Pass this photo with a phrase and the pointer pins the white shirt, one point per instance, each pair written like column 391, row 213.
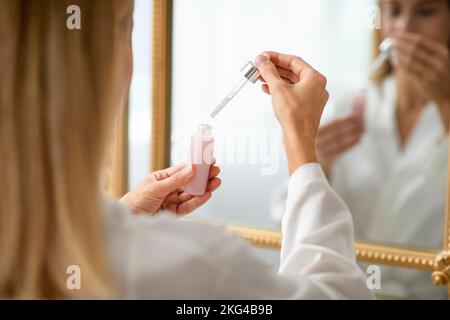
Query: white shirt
column 163, row 257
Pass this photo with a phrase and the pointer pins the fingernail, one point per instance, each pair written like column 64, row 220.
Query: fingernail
column 188, row 169
column 261, row 59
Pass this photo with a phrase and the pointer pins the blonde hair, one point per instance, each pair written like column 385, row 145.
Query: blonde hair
column 56, row 110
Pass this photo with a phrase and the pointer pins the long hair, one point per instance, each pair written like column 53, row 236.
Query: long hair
column 56, row 112
column 386, row 69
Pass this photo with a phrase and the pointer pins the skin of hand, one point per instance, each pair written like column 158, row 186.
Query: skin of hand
column 163, row 190
column 427, row 64
column 299, row 96
column 340, row 135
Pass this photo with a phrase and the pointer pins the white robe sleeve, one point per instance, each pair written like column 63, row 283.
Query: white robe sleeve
column 163, row 257
column 318, row 238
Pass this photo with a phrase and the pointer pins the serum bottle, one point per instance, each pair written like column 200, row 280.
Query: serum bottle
column 201, row 157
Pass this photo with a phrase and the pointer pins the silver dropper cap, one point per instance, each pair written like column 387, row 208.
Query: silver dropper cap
column 250, row 71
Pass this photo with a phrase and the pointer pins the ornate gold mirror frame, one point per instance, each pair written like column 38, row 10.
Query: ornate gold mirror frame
column 436, row 262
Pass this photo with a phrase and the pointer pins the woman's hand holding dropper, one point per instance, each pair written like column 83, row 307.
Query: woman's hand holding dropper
column 299, row 96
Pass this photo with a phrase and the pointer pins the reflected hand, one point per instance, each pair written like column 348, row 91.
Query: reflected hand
column 163, row 190
column 428, row 64
column 338, row 136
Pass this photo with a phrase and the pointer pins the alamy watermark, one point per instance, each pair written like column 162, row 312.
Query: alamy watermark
column 373, row 281
column 73, row 21
column 371, row 16
column 73, row 281
column 253, row 147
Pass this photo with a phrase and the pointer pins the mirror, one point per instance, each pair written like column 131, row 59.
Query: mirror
column 248, row 137
column 393, row 175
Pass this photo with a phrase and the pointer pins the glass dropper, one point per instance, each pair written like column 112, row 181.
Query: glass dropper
column 250, row 73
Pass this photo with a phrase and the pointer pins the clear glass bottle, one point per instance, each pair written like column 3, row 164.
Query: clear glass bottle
column 201, row 157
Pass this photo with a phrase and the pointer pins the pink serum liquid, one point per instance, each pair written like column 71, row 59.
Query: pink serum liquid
column 201, row 157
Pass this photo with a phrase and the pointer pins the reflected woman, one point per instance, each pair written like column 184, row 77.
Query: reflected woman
column 392, row 156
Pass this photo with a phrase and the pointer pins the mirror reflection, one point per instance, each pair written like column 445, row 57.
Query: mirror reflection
column 383, row 141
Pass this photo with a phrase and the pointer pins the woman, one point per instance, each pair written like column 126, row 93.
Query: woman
column 59, row 92
column 385, row 153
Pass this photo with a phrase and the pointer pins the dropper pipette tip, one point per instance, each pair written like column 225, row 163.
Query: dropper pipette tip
column 219, row 107
column 250, row 73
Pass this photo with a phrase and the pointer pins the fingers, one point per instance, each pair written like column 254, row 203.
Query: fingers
column 287, row 75
column 288, row 62
column 213, row 184
column 416, row 68
column 432, row 82
column 165, row 173
column 426, row 43
column 341, row 145
column 340, row 125
column 193, row 204
column 213, row 172
column 265, row 88
column 339, row 136
column 426, row 61
column 358, row 106
column 182, row 203
column 268, row 70
column 330, row 142
column 412, row 55
column 177, row 199
column 175, row 181
column 289, row 68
